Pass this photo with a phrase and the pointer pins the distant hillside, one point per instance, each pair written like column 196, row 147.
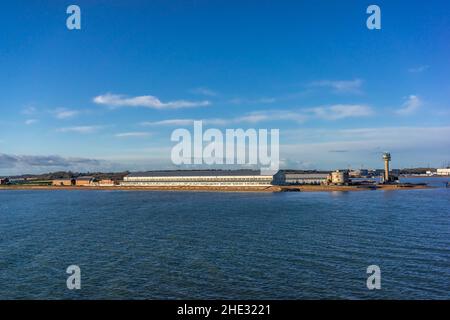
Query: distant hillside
column 69, row 174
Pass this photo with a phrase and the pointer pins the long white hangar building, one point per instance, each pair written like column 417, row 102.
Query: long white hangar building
column 197, row 178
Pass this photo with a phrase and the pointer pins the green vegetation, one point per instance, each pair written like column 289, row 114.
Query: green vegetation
column 31, row 182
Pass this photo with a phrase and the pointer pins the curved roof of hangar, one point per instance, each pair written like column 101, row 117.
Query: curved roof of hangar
column 196, row 173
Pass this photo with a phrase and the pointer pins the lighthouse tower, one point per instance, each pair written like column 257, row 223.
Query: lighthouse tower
column 387, row 159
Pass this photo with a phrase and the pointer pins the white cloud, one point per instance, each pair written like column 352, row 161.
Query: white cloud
column 418, row 69
column 204, row 91
column 341, row 111
column 117, row 100
column 340, row 86
column 31, row 121
column 272, row 115
column 80, row 129
column 65, row 113
column 132, row 134
column 335, row 112
column 411, row 105
column 263, row 100
column 254, row 117
column 187, row 122
column 29, row 111
column 170, row 122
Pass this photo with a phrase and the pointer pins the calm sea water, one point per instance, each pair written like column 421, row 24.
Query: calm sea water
column 170, row 245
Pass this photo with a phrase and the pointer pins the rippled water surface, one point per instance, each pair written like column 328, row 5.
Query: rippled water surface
column 161, row 245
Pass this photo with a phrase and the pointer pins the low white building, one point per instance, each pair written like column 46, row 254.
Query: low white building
column 197, row 178
column 443, row 172
column 296, row 177
column 339, row 177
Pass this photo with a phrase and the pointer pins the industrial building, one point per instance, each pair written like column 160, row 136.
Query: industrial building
column 84, row 181
column 232, row 178
column 198, row 178
column 105, row 183
column 293, row 177
column 359, row 173
column 80, row 181
column 443, row 172
column 63, row 182
column 297, row 177
column 339, row 177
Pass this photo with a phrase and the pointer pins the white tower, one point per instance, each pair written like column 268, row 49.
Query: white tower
column 387, row 159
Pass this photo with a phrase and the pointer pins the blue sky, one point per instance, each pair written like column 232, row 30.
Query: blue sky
column 108, row 96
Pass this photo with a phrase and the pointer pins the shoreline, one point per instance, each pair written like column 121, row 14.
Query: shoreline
column 302, row 188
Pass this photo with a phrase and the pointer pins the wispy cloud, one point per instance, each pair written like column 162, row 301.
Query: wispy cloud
column 118, row 100
column 63, row 113
column 410, row 106
column 262, row 100
column 204, row 91
column 340, row 86
column 338, row 151
column 418, row 69
column 80, row 129
column 30, row 121
column 169, row 122
column 29, row 111
column 334, row 112
column 271, row 115
column 132, row 134
column 253, row 118
column 342, row 111
column 188, row 122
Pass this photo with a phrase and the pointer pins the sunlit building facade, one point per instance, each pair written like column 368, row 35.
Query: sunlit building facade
column 197, row 178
